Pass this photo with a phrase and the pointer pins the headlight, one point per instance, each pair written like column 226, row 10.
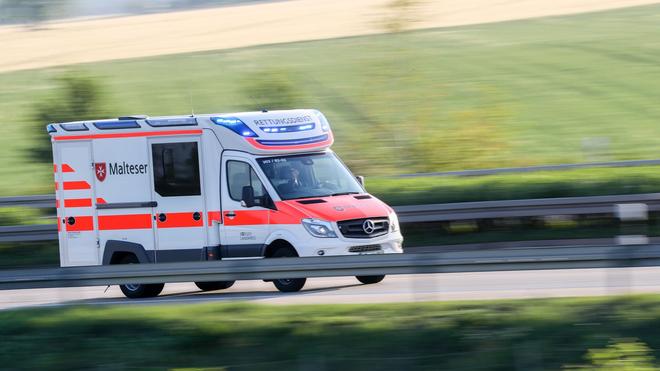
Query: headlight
column 319, row 228
column 394, row 222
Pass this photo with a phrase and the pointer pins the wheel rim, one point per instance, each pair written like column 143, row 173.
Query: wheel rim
column 132, row 286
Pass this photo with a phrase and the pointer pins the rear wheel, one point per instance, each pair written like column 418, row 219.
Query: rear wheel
column 368, row 280
column 139, row 290
column 288, row 284
column 212, row 286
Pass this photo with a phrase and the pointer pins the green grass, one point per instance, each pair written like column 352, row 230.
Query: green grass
column 551, row 90
column 480, row 335
column 15, row 255
column 543, row 184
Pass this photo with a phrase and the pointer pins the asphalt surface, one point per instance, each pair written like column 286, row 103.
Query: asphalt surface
column 402, row 288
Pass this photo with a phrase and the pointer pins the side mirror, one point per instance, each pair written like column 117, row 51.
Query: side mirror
column 247, row 199
column 360, row 180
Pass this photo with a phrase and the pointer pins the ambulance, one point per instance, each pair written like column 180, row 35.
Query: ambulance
column 141, row 190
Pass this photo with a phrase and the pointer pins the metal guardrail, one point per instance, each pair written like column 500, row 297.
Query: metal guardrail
column 426, row 213
column 23, row 233
column 39, row 201
column 332, row 266
column 530, row 169
column 523, row 208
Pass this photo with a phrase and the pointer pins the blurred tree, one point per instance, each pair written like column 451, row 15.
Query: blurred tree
column 77, row 97
column 628, row 355
column 32, row 11
column 271, row 90
column 400, row 15
column 469, row 139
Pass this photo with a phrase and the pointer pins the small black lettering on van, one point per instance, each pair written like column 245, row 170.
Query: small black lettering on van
column 124, row 168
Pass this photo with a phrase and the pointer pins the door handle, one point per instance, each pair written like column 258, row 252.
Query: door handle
column 230, row 214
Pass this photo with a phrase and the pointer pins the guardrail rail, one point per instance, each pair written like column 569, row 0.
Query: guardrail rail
column 589, row 205
column 331, row 266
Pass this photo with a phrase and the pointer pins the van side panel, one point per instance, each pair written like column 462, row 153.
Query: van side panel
column 122, row 182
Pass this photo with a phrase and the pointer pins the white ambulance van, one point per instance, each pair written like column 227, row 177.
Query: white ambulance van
column 138, row 190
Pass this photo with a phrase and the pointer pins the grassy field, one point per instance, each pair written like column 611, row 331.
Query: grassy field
column 497, row 335
column 543, row 184
column 550, row 90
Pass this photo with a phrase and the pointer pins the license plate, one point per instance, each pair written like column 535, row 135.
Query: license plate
column 371, row 252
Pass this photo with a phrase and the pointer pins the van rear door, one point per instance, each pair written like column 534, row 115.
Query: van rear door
column 77, row 216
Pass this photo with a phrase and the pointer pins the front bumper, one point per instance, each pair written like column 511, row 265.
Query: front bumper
column 391, row 243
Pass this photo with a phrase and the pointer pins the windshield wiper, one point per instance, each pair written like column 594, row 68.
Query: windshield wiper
column 344, row 193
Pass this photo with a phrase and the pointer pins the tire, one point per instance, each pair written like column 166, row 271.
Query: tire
column 288, row 284
column 139, row 290
column 212, row 286
column 368, row 280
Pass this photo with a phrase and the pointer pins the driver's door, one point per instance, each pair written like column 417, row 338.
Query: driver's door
column 245, row 228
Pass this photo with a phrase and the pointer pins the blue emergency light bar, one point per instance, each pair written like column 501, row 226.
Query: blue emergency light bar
column 288, row 129
column 234, row 124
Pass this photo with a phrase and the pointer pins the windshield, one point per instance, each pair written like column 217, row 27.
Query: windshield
column 305, row 176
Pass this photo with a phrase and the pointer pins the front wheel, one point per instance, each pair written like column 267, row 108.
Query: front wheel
column 139, row 290
column 368, row 280
column 288, row 284
column 212, row 286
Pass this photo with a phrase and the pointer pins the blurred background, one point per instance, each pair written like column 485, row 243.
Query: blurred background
column 418, row 92
column 411, row 87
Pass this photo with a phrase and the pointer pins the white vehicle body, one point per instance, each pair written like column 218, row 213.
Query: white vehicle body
column 169, row 189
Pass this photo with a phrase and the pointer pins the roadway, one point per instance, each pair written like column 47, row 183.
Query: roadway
column 401, row 288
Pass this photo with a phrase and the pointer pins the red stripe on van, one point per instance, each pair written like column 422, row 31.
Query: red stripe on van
column 286, row 214
column 70, row 186
column 131, row 221
column 324, row 143
column 67, row 169
column 54, row 168
column 214, row 216
column 179, row 220
column 129, row 135
column 247, row 217
column 82, row 224
column 100, row 200
column 78, row 202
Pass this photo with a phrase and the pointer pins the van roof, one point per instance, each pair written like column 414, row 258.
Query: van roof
column 260, row 132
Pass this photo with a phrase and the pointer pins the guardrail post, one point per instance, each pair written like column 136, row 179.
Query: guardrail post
column 633, row 220
column 633, row 231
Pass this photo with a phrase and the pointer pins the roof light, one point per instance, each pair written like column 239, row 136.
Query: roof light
column 288, row 128
column 234, row 124
column 293, row 142
column 325, row 125
column 51, row 128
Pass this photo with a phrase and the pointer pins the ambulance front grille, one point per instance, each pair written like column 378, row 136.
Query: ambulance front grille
column 354, row 228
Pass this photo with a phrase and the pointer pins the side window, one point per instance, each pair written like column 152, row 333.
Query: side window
column 240, row 174
column 176, row 169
